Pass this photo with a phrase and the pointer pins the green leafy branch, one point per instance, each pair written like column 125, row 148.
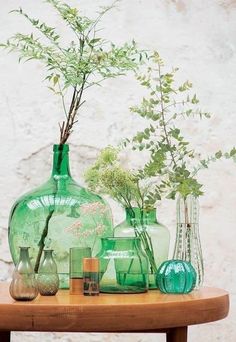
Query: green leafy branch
column 86, row 61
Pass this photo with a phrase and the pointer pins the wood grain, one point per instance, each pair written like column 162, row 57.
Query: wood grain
column 112, row 313
column 177, row 335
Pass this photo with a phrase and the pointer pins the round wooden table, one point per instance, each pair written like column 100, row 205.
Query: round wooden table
column 147, row 312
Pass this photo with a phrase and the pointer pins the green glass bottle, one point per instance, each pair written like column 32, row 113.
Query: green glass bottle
column 58, row 215
column 123, row 266
column 155, row 237
column 48, row 280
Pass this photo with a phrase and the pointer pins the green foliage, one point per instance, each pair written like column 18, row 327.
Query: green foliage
column 86, row 61
column 172, row 159
column 171, row 167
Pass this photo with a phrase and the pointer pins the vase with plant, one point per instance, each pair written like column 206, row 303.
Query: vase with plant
column 171, row 164
column 108, row 176
column 57, row 215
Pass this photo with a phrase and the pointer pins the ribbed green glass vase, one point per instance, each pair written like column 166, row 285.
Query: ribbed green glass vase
column 123, row 266
column 58, row 215
column 154, row 237
column 176, row 276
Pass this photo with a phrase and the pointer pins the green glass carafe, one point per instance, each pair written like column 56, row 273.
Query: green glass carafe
column 123, row 266
column 58, row 215
column 154, row 237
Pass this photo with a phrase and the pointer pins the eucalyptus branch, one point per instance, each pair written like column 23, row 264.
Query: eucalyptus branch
column 163, row 117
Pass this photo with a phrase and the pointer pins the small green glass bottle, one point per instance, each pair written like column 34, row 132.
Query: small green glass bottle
column 48, row 280
column 58, row 215
column 23, row 285
column 123, row 266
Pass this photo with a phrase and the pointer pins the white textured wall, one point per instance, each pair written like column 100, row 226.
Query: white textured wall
column 199, row 36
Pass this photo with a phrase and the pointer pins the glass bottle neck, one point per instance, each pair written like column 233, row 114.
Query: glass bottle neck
column 48, row 253
column 140, row 216
column 24, row 253
column 61, row 161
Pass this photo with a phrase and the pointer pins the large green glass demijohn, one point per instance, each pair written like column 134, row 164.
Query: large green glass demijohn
column 58, row 215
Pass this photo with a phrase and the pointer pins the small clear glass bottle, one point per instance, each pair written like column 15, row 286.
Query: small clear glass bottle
column 23, row 285
column 187, row 243
column 48, row 280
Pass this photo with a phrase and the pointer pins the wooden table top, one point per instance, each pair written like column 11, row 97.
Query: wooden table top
column 112, row 313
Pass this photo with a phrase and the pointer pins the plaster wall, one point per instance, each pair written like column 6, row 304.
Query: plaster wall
column 197, row 36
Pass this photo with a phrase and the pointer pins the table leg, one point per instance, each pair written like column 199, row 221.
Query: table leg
column 179, row 334
column 5, row 336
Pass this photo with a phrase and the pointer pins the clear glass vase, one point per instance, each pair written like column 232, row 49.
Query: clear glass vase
column 123, row 266
column 187, row 243
column 23, row 285
column 48, row 280
column 58, row 215
column 77, row 255
column 154, row 237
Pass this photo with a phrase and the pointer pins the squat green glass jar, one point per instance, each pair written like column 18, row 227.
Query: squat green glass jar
column 123, row 266
column 58, row 215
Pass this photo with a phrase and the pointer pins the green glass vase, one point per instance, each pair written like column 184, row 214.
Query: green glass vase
column 23, row 286
column 58, row 215
column 48, row 280
column 154, row 237
column 123, row 266
column 176, row 276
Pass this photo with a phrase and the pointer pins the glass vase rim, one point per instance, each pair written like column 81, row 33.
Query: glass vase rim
column 121, row 238
column 79, row 248
column 141, row 209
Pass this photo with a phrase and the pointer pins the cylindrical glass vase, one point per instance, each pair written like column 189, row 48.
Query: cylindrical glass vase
column 187, row 243
column 154, row 237
column 58, row 215
column 77, row 254
column 123, row 266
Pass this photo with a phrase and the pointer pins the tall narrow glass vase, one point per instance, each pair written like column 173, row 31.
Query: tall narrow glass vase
column 188, row 244
column 58, row 215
